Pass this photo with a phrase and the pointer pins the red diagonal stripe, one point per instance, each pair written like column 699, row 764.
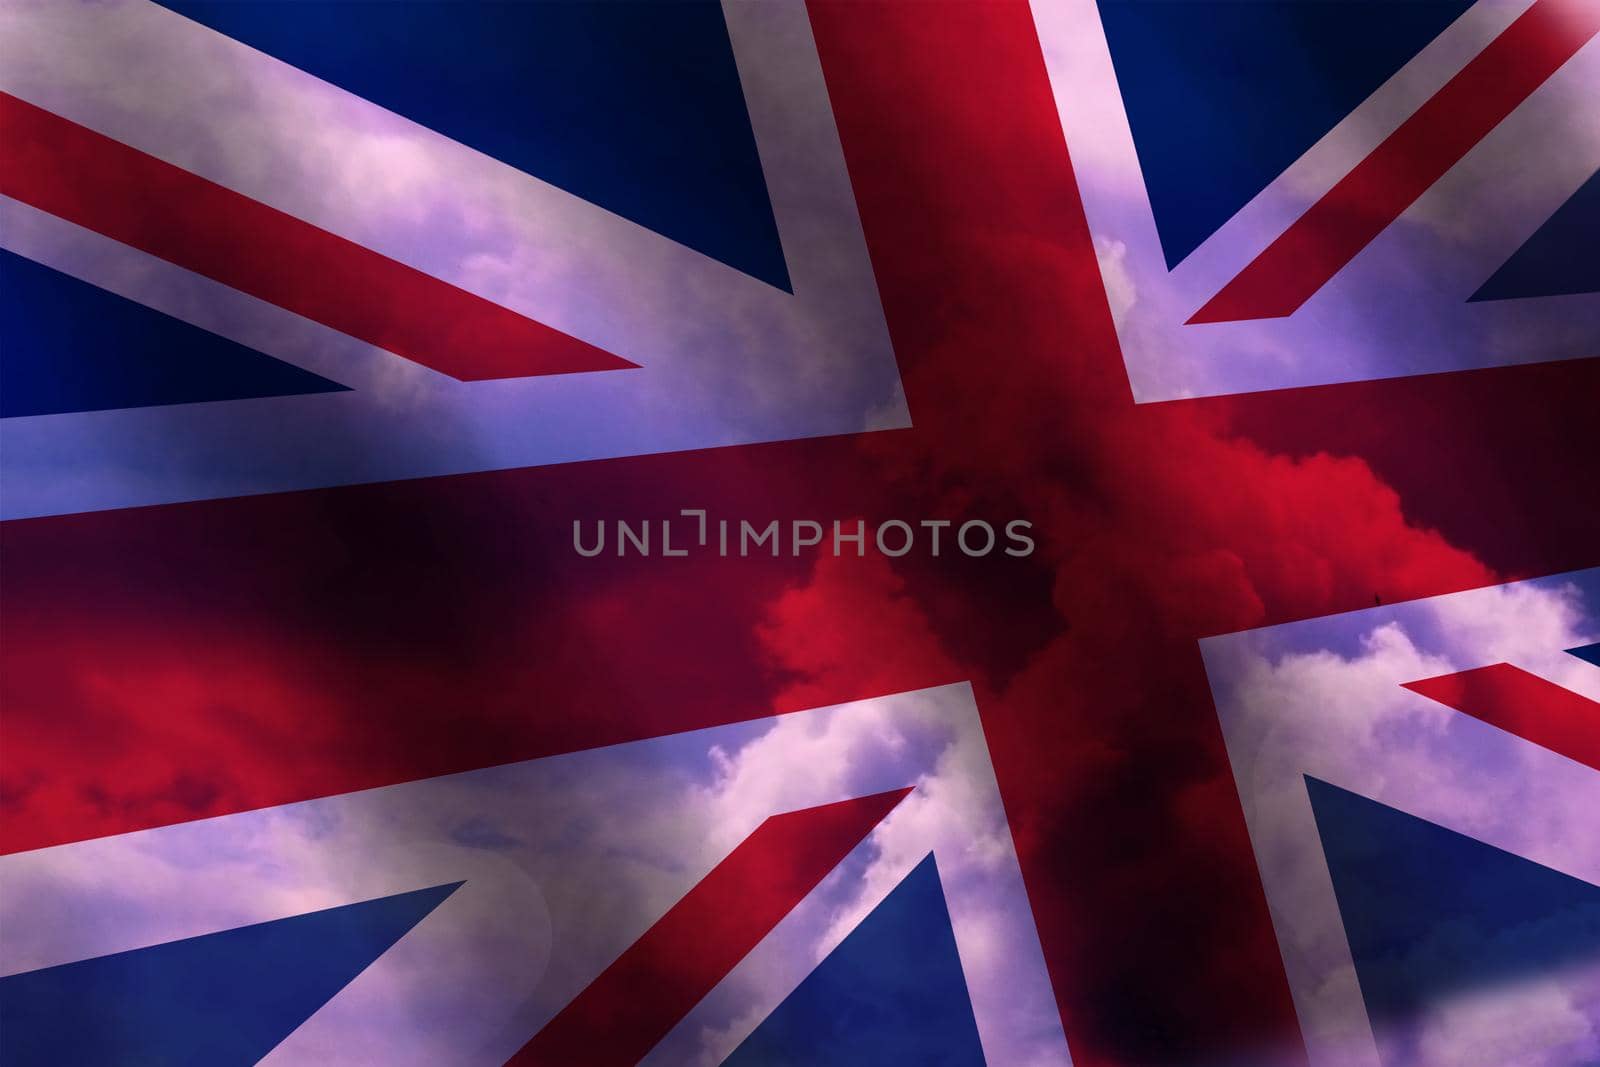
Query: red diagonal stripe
column 1363, row 204
column 639, row 998
column 1523, row 704
column 101, row 184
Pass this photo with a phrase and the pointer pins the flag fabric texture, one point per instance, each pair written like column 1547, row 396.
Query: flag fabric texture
column 325, row 325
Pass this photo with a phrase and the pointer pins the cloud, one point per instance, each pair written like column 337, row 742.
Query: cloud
column 312, row 642
column 1539, row 1023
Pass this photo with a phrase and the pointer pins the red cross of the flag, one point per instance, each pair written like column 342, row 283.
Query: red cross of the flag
column 171, row 663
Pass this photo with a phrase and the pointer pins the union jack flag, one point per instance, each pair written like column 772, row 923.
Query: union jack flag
column 324, row 322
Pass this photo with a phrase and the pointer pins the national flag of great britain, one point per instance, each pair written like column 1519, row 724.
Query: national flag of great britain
column 325, row 323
